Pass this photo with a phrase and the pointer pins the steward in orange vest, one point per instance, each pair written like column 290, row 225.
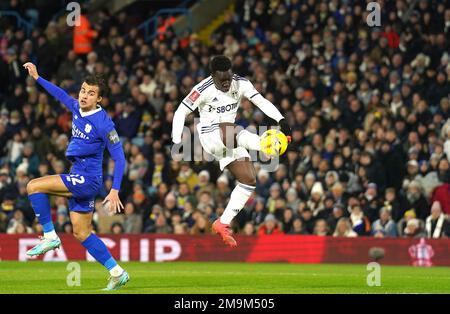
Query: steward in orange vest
column 82, row 36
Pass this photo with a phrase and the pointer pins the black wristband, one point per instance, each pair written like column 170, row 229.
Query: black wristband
column 284, row 127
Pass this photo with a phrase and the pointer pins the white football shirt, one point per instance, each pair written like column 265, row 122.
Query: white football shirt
column 216, row 106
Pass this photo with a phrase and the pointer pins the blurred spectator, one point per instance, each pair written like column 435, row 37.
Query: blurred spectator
column 263, row 184
column 270, row 226
column 3, row 222
column 359, row 222
column 23, row 203
column 321, row 228
column 28, row 159
column 335, row 216
column 402, row 223
column 202, row 225
column 344, row 229
column 259, row 212
column 203, row 183
column 83, row 35
column 184, row 195
column 416, row 201
column 297, row 227
column 308, row 220
column 19, row 228
column 384, row 226
column 315, row 203
column 442, row 192
column 17, row 223
column 170, row 204
column 158, row 171
column 371, row 202
column 274, row 196
column 61, row 220
column 133, row 221
column 222, row 191
column 7, row 206
column 205, row 199
column 160, row 225
column 68, row 228
column 413, row 229
column 292, row 198
column 437, row 224
column 138, row 168
column 249, row 229
column 395, row 205
column 180, row 229
column 288, row 219
column 187, row 175
column 117, row 228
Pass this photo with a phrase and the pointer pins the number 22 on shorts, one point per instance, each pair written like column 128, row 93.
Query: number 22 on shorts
column 75, row 179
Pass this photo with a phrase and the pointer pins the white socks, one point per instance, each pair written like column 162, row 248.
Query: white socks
column 51, row 235
column 248, row 140
column 240, row 195
column 116, row 271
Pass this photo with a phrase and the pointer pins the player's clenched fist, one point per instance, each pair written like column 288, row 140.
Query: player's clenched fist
column 32, row 71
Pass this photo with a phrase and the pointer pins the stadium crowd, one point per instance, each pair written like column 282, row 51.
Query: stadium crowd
column 369, row 108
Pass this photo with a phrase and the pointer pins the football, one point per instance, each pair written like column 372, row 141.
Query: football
column 273, row 142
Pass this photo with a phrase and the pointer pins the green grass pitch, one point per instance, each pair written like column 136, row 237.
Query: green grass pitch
column 223, row 278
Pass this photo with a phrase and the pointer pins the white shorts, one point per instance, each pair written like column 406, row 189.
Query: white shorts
column 212, row 143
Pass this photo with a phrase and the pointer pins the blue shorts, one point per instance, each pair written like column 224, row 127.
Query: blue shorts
column 84, row 189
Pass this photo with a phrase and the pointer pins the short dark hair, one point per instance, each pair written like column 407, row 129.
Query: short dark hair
column 220, row 63
column 97, row 80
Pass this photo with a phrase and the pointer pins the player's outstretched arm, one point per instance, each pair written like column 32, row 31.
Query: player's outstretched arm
column 268, row 108
column 53, row 90
column 116, row 151
column 271, row 111
column 187, row 105
column 178, row 122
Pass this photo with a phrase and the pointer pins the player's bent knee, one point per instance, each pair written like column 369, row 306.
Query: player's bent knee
column 33, row 187
column 81, row 235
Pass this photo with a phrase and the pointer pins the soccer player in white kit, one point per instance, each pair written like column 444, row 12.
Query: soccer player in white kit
column 218, row 98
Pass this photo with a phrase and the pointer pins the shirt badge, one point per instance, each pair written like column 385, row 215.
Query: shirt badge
column 193, row 96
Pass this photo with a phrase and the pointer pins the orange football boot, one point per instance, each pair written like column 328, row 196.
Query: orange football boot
column 225, row 233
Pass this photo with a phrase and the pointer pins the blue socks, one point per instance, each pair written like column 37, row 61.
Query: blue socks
column 99, row 251
column 41, row 207
column 95, row 246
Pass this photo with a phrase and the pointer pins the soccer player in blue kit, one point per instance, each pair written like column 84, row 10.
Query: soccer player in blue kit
column 92, row 131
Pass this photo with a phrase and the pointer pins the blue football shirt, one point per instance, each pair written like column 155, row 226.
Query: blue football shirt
column 92, row 132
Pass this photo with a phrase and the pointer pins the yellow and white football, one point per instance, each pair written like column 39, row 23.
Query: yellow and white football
column 273, row 143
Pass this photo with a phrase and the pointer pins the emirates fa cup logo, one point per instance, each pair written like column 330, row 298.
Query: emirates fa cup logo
column 421, row 254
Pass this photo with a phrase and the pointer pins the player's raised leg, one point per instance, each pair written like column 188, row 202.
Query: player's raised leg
column 245, row 174
column 248, row 140
column 234, row 135
column 38, row 190
column 82, row 230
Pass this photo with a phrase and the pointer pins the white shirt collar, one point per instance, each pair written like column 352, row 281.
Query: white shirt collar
column 89, row 113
